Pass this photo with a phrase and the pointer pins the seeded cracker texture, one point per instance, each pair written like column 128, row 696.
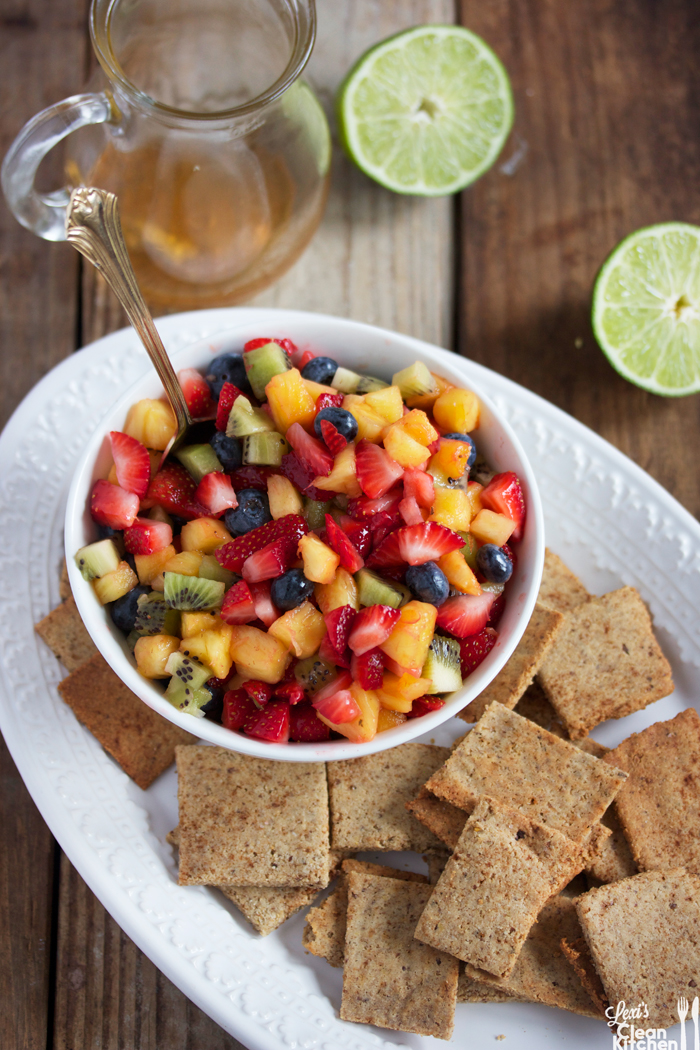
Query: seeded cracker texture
column 560, row 589
column 511, row 682
column 644, row 936
column 605, row 663
column 368, row 799
column 508, row 757
column 390, row 979
column 65, row 634
column 251, row 822
column 503, row 870
column 659, row 805
column 141, row 741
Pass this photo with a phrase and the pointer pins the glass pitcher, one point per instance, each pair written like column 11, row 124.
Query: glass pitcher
column 218, row 153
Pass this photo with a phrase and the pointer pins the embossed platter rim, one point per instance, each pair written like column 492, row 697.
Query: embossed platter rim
column 607, row 518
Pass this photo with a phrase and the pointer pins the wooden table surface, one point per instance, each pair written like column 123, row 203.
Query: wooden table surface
column 606, row 139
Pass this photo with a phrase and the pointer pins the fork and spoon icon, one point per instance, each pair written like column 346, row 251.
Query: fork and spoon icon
column 683, row 1013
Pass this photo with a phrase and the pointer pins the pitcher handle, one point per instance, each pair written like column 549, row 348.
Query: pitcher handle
column 45, row 213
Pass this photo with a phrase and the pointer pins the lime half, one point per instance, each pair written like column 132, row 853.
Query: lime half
column 426, row 111
column 646, row 308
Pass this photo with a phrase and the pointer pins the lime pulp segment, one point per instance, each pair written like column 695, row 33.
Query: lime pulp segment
column 646, row 308
column 426, row 111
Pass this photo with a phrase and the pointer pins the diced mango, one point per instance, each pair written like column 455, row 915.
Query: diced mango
column 301, row 630
column 451, row 458
column 316, row 389
column 389, row 719
column 407, row 687
column 149, row 565
column 451, row 508
column 418, row 426
column 458, row 573
column 152, row 653
column 457, row 410
column 342, row 590
column 343, row 477
column 408, row 643
column 320, row 562
column 404, row 449
column 283, row 496
column 152, row 423
column 258, row 654
column 289, row 400
column 474, row 490
column 204, row 535
column 370, row 423
column 364, row 727
column 489, row 527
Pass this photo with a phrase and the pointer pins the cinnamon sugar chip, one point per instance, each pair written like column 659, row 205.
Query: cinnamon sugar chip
column 66, row 636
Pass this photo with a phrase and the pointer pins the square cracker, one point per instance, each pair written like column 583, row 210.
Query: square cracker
column 64, row 588
column 141, row 741
column 580, row 958
column 503, row 870
column 442, row 818
column 644, row 936
column 543, row 973
column 605, row 663
column 66, row 636
column 368, row 799
column 511, row 682
column 659, row 804
column 560, row 589
column 390, row 979
column 250, row 821
column 508, row 757
column 533, row 704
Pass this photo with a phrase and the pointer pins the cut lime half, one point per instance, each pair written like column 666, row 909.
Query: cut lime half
column 646, row 308
column 426, row 111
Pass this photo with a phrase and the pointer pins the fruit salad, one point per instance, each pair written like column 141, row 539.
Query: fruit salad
column 327, row 556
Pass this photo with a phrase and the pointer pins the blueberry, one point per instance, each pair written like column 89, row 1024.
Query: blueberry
column 228, row 451
column 178, row 523
column 123, row 611
column 291, row 590
column 320, row 369
column 343, row 421
column 428, row 583
column 253, row 510
column 227, row 368
column 214, row 708
column 493, row 563
column 469, row 441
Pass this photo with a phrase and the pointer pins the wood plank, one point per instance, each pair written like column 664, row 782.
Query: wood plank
column 606, row 131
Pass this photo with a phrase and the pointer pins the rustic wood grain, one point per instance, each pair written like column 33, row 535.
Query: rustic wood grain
column 605, row 140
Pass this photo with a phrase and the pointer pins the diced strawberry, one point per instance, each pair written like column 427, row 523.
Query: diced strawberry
column 333, row 656
column 132, row 463
column 227, row 397
column 338, row 624
column 173, row 489
column 388, row 504
column 265, row 610
column 368, row 669
column 387, row 554
column 266, row 564
column 237, row 707
column 196, row 391
column 329, row 401
column 359, row 533
column 271, row 724
column 410, row 511
column 334, row 440
column 215, row 493
column 250, row 477
column 341, row 681
column 421, row 486
column 308, row 355
column 497, row 609
column 302, row 477
column 344, row 547
column 238, row 605
column 305, row 726
column 259, row 692
column 288, row 345
column 475, row 649
column 310, row 451
column 372, row 626
column 292, row 692
column 465, row 615
column 427, row 542
column 339, row 708
column 377, row 472
column 433, row 446
column 112, row 505
column 504, row 495
column 424, row 705
column 382, row 525
column 147, row 537
column 290, row 528
column 255, row 344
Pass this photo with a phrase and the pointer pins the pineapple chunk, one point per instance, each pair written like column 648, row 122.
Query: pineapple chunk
column 187, row 563
column 204, row 535
column 320, row 562
column 393, row 703
column 301, row 630
column 474, row 490
column 457, row 410
column 112, row 476
column 282, row 495
column 405, row 449
column 418, row 426
column 192, row 623
column 407, row 687
column 149, row 565
column 290, row 401
column 342, row 590
column 452, row 508
column 152, row 654
column 389, row 719
column 257, row 654
column 370, row 423
column 152, row 423
column 212, row 648
column 316, row 389
column 458, row 573
column 387, row 402
column 343, row 477
column 426, row 401
column 115, row 584
column 489, row 527
column 451, row 458
column 364, row 727
column 408, row 643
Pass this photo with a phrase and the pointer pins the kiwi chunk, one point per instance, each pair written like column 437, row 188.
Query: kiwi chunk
column 264, row 363
column 443, row 665
column 373, row 590
column 209, row 569
column 493, row 588
column 185, row 690
column 97, row 559
column 264, row 449
column 199, row 460
column 369, row 383
column 154, row 616
column 313, row 673
column 469, row 550
column 191, row 593
column 416, row 379
column 315, row 512
column 243, row 419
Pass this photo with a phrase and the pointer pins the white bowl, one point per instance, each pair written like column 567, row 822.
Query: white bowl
column 364, row 349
